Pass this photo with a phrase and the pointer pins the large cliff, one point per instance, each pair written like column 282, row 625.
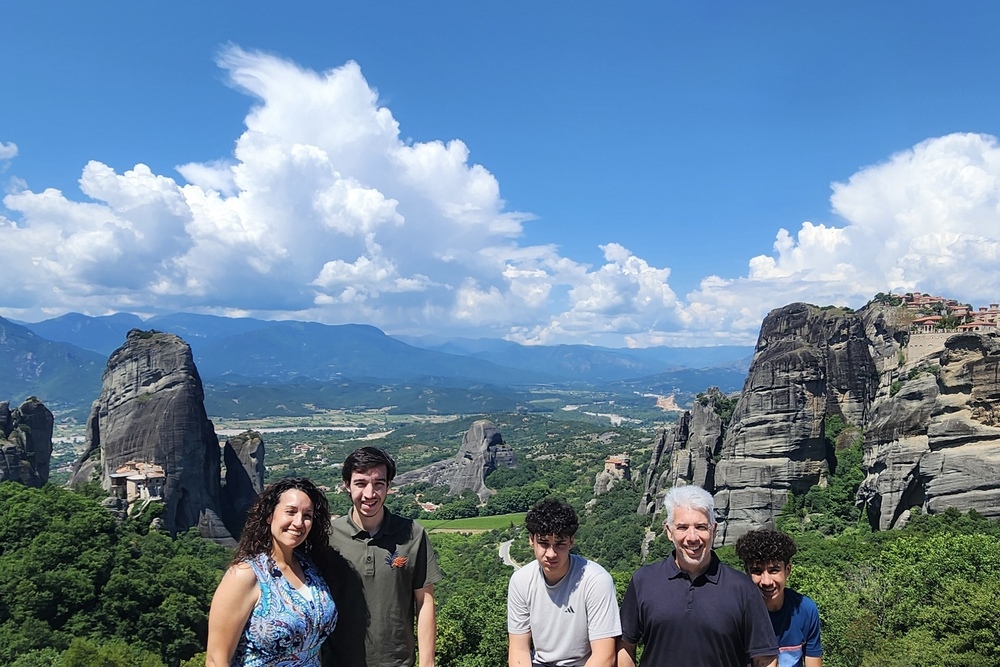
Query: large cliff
column 935, row 443
column 151, row 412
column 929, row 414
column 809, row 364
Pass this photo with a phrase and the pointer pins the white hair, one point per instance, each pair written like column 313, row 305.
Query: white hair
column 692, row 497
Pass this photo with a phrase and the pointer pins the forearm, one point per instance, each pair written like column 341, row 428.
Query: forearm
column 426, row 631
column 626, row 654
column 765, row 661
column 518, row 657
column 814, row 662
column 602, row 652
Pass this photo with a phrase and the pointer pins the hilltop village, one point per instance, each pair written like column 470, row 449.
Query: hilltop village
column 937, row 314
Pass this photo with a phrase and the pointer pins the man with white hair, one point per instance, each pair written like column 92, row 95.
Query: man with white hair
column 690, row 608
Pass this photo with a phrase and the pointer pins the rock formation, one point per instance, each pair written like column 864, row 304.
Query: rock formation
column 935, row 443
column 243, row 455
column 483, row 451
column 25, row 442
column 688, row 454
column 658, row 469
column 616, row 469
column 151, row 411
column 809, row 364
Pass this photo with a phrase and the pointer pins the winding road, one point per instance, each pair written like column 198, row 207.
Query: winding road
column 505, row 554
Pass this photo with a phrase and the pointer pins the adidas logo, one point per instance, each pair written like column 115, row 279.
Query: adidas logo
column 569, row 610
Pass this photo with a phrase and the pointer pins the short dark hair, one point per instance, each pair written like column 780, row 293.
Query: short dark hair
column 366, row 458
column 256, row 536
column 762, row 546
column 552, row 517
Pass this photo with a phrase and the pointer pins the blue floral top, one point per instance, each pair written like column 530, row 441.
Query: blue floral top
column 286, row 628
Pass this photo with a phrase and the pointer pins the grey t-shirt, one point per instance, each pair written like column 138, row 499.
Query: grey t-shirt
column 563, row 619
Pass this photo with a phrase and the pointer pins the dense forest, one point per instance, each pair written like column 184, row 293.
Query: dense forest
column 80, row 589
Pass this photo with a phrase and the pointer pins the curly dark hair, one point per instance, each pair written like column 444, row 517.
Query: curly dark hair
column 762, row 546
column 552, row 517
column 256, row 537
column 366, row 458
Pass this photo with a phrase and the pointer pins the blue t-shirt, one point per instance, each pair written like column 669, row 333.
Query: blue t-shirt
column 796, row 625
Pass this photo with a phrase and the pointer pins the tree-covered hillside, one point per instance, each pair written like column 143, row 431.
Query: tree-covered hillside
column 77, row 588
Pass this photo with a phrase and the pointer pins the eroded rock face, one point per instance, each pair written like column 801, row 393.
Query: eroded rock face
column 687, row 455
column 243, row 455
column 151, row 410
column 658, row 469
column 810, row 364
column 25, row 442
column 483, row 451
column 935, row 444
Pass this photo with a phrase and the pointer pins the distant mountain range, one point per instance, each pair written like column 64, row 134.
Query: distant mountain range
column 248, row 357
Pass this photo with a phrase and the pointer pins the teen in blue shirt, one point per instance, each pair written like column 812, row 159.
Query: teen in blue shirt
column 767, row 558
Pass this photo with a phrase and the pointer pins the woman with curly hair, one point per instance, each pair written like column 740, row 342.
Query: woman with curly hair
column 273, row 607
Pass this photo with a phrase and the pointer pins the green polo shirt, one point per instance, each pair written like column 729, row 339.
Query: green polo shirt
column 385, row 569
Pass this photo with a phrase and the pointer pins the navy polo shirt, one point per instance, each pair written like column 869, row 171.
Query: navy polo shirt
column 717, row 620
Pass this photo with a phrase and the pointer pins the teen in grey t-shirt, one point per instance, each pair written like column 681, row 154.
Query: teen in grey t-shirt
column 563, row 604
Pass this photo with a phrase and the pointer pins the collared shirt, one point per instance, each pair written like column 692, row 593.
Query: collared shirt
column 717, row 620
column 389, row 566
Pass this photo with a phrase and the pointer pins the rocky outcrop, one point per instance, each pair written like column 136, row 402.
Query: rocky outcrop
column 617, row 468
column 935, row 443
column 809, row 365
column 243, row 455
column 693, row 460
column 151, row 411
column 657, row 469
column 483, row 451
column 25, row 442
column 688, row 454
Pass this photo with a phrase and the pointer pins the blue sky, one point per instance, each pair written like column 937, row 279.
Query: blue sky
column 656, row 173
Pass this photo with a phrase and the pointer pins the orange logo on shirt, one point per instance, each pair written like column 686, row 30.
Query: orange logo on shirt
column 392, row 560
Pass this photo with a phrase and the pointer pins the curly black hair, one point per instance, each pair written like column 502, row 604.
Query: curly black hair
column 256, row 536
column 763, row 546
column 552, row 517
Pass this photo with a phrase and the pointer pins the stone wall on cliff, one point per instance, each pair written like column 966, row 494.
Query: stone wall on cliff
column 935, row 442
column 810, row 364
column 25, row 442
column 151, row 410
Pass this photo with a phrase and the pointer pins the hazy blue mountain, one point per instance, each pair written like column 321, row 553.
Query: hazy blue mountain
column 193, row 328
column 286, row 350
column 61, row 375
column 278, row 362
column 587, row 362
column 103, row 334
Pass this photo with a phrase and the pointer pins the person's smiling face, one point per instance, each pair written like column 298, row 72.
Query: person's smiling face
column 692, row 533
column 292, row 518
column 771, row 579
column 368, row 489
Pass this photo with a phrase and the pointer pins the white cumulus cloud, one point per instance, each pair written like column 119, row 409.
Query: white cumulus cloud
column 324, row 212
column 926, row 219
